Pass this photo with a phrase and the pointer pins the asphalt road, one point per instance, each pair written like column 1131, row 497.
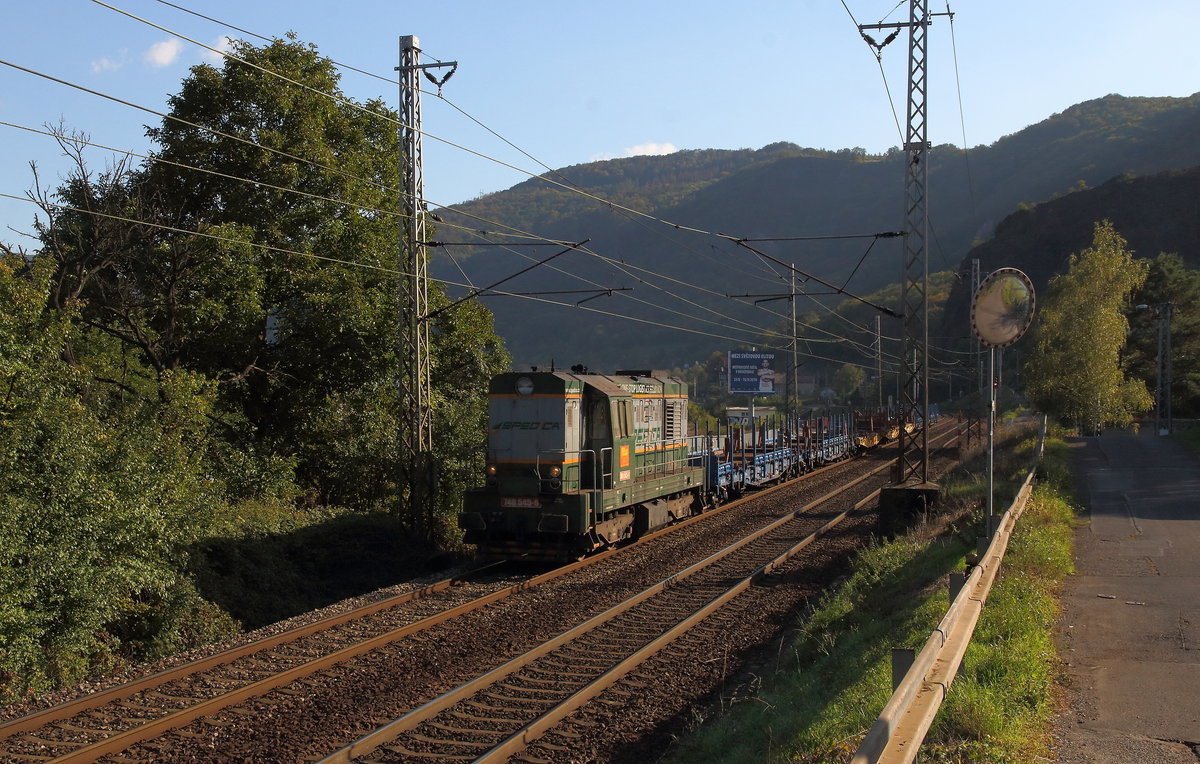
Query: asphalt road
column 1130, row 628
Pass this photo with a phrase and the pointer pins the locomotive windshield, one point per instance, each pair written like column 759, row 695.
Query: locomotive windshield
column 526, row 427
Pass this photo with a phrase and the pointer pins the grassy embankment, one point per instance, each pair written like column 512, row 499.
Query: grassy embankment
column 1190, row 438
column 829, row 686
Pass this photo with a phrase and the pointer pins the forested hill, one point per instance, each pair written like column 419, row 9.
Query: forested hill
column 779, row 191
column 1154, row 214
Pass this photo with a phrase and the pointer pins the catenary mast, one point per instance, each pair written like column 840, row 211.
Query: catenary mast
column 415, row 376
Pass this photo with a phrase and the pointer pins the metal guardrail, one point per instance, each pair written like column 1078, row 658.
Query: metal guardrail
column 896, row 735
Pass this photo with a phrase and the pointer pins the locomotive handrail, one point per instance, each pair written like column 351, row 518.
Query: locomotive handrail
column 600, row 480
column 670, row 446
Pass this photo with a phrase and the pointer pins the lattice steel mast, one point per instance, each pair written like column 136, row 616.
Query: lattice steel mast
column 415, row 377
column 914, row 280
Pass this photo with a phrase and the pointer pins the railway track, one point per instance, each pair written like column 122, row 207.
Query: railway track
column 110, row 722
column 497, row 715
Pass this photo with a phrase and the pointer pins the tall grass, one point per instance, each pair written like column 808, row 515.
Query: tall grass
column 835, row 676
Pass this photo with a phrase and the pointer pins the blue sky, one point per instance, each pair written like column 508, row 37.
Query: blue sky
column 572, row 82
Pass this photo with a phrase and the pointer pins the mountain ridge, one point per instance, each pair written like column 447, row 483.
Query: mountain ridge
column 678, row 277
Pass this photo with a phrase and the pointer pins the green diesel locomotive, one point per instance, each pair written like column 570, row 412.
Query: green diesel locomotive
column 580, row 461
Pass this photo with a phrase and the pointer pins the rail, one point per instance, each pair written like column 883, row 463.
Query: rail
column 492, row 734
column 897, row 734
column 524, row 734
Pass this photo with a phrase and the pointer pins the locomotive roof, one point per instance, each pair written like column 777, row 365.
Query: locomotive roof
column 567, row 381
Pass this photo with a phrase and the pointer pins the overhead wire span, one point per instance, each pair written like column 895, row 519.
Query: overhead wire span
column 755, row 330
column 538, row 240
column 400, row 123
column 187, row 123
column 572, row 186
column 883, row 235
column 345, row 101
column 393, row 271
column 565, row 184
column 837, row 338
column 342, row 65
column 962, row 119
column 478, row 291
column 201, row 234
column 352, row 104
column 351, row 263
column 808, row 276
column 265, row 148
column 236, row 138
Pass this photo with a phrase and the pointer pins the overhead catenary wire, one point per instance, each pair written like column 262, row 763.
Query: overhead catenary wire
column 565, row 180
column 880, row 308
column 290, row 156
column 391, row 271
column 540, row 241
column 398, row 122
column 252, row 143
column 755, row 330
column 374, row 113
column 962, row 119
column 565, row 185
column 396, row 272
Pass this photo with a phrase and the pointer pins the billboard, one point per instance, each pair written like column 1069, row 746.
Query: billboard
column 751, row 372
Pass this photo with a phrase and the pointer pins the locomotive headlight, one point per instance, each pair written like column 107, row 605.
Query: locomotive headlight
column 524, row 386
column 555, row 471
column 491, row 473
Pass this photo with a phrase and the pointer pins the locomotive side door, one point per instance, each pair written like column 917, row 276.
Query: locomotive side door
column 596, row 459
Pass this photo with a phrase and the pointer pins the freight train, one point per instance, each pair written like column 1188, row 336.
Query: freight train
column 577, row 462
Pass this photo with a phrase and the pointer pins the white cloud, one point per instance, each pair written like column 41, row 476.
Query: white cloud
column 105, row 64
column 651, row 149
column 222, row 44
column 163, row 53
column 109, row 64
column 642, row 149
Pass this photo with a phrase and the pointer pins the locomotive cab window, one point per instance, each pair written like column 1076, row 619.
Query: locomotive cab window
column 598, row 420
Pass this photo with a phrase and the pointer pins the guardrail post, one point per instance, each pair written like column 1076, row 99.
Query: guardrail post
column 902, row 661
column 957, row 581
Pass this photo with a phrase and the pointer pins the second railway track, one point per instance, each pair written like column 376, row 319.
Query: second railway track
column 296, row 702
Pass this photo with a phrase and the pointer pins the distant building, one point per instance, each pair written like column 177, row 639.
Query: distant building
column 741, row 414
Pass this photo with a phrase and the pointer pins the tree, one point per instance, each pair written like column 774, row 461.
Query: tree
column 289, row 302
column 1169, row 280
column 97, row 498
column 847, row 379
column 1074, row 371
column 226, row 361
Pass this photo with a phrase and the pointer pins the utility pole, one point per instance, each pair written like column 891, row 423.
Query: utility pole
column 416, row 482
column 1162, row 387
column 975, row 278
column 794, row 374
column 879, row 360
column 1164, row 364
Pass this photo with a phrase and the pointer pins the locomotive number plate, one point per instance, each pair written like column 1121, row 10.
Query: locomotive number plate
column 528, row 502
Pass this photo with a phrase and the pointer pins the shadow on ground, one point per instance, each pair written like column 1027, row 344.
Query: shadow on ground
column 266, row 579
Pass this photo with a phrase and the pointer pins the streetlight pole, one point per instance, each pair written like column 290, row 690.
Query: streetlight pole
column 1162, row 386
column 1164, row 363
